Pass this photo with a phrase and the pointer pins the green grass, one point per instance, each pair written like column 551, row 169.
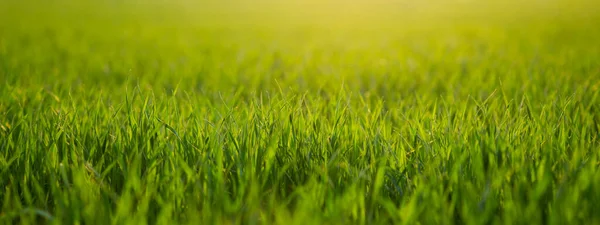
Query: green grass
column 299, row 113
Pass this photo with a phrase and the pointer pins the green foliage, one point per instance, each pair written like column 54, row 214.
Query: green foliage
column 182, row 113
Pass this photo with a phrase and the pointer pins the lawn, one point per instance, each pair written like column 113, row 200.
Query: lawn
column 300, row 112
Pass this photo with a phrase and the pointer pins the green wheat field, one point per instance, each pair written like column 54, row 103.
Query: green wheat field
column 300, row 112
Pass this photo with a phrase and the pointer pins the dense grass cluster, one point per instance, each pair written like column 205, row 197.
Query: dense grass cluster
column 314, row 113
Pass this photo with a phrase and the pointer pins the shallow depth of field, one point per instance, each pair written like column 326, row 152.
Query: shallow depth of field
column 300, row 112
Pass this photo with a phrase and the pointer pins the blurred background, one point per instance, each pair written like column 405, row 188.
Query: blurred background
column 430, row 46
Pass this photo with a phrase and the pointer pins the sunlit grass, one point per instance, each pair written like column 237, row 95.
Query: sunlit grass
column 299, row 112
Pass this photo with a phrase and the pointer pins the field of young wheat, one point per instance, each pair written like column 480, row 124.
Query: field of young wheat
column 299, row 112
